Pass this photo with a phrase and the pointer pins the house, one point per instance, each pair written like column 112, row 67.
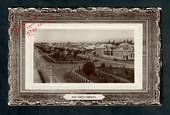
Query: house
column 89, row 49
column 99, row 50
column 123, row 54
column 108, row 49
column 125, row 51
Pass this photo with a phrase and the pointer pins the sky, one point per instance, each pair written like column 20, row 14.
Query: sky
column 71, row 35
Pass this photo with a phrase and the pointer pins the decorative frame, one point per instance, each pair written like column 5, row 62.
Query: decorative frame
column 149, row 17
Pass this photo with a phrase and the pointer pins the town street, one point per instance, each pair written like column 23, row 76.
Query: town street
column 46, row 70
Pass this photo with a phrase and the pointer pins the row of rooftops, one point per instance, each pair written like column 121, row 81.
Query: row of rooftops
column 122, row 46
column 93, row 46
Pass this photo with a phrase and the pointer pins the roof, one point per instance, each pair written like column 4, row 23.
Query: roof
column 90, row 47
column 100, row 46
column 126, row 45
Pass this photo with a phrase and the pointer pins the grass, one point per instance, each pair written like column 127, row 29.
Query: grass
column 127, row 73
column 97, row 77
column 70, row 78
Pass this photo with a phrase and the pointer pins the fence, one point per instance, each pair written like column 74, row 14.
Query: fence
column 81, row 77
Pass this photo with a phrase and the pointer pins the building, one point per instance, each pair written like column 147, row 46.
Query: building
column 124, row 51
column 108, row 49
column 123, row 54
column 99, row 50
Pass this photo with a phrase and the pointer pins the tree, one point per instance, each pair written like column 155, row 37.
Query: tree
column 88, row 68
column 103, row 65
column 109, row 42
column 113, row 42
column 131, row 42
column 110, row 67
column 75, row 54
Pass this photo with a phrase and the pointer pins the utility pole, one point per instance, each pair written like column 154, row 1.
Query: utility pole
column 50, row 73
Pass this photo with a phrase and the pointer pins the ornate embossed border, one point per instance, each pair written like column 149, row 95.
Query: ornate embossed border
column 15, row 68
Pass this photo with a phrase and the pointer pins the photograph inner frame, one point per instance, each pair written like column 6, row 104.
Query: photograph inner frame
column 149, row 18
column 134, row 87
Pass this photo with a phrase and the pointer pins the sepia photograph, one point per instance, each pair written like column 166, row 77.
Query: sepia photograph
column 83, row 56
